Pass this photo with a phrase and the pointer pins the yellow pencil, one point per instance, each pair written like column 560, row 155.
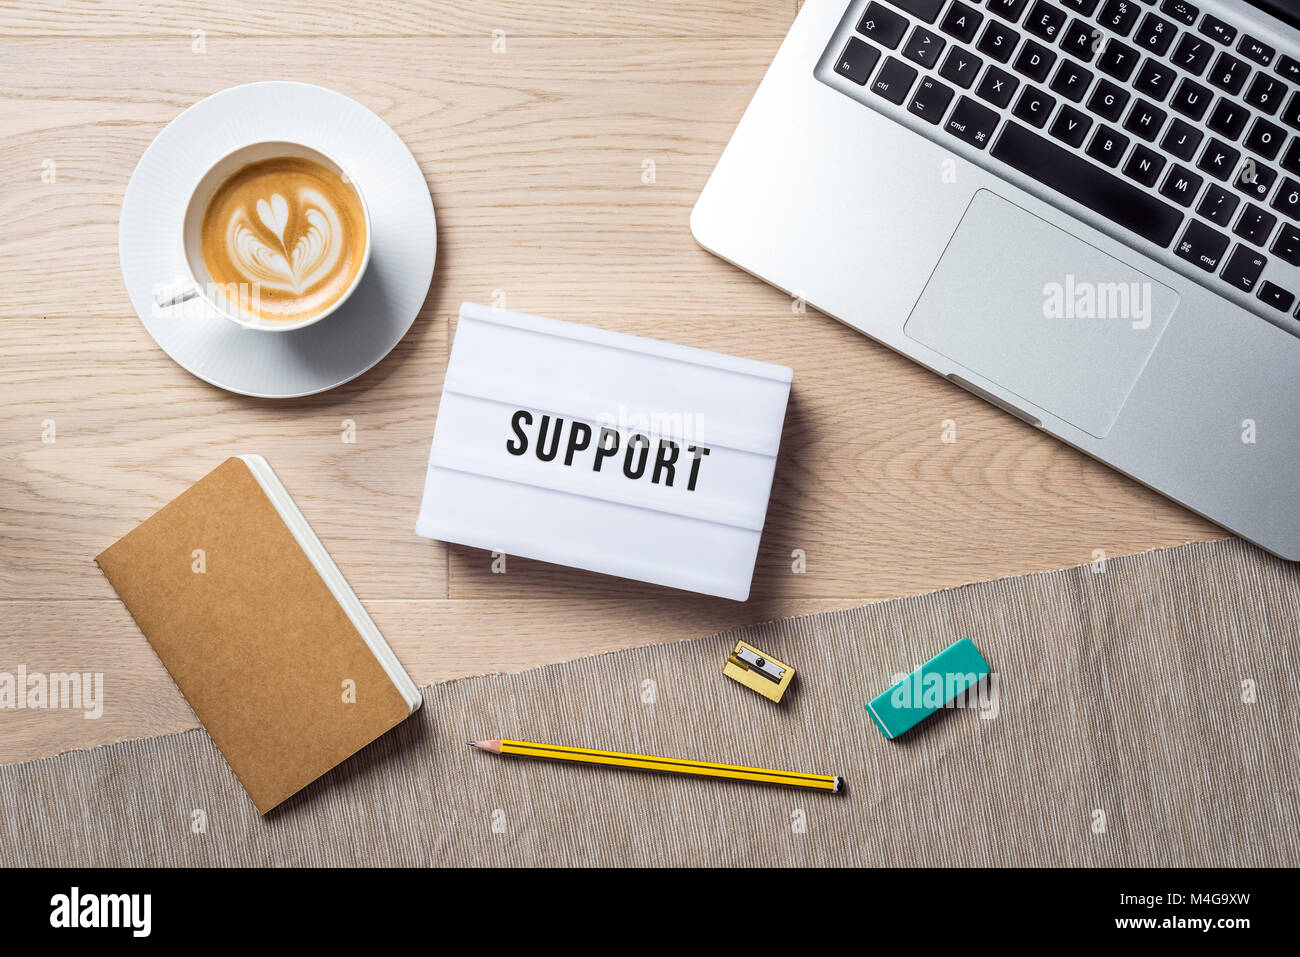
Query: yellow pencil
column 646, row 762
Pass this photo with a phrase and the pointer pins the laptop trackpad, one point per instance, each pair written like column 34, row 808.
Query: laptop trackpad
column 1023, row 304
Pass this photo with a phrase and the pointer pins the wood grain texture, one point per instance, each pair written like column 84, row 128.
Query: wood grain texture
column 534, row 158
column 661, row 19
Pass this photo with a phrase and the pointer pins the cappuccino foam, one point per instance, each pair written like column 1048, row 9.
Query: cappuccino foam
column 291, row 228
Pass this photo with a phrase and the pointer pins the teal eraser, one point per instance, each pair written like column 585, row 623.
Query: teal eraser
column 952, row 671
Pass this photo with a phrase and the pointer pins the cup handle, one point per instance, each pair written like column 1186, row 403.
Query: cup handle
column 168, row 294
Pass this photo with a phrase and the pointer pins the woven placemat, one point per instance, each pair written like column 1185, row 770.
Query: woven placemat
column 1146, row 714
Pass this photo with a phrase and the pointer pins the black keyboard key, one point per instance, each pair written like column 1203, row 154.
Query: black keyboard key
column 1228, row 119
column 1275, row 296
column 961, row 22
column 1144, row 165
column 1081, row 40
column 1077, row 179
column 1265, row 93
column 1084, row 7
column 1108, row 146
column 1181, row 139
column 1219, row 160
column 924, row 47
column 1291, row 112
column 930, row 100
column 1255, row 225
column 857, row 60
column 1108, row 101
column 1287, row 200
column 1256, row 50
column 997, row 41
column 997, row 86
column 1154, row 79
column 893, row 81
column 1192, row 54
column 1191, row 99
column 1291, row 158
column 1229, row 73
column 1216, row 29
column 1255, row 179
column 1181, row 185
column 1155, row 35
column 927, row 10
column 1288, row 68
column 960, row 67
column 1119, row 16
column 1202, row 246
column 1045, row 21
column 1034, row 106
column 1287, row 244
column 1265, row 138
column 1118, row 60
column 1035, row 61
column 1180, row 10
column 1070, row 126
column 1244, row 267
column 1071, row 81
column 882, row 25
column 1145, row 120
column 972, row 122
column 1007, row 9
column 1218, row 205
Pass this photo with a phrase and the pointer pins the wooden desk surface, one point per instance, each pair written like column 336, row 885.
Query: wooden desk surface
column 534, row 157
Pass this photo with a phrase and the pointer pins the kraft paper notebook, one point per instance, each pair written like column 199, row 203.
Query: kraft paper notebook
column 259, row 630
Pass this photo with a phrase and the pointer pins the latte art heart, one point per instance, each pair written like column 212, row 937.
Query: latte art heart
column 292, row 228
column 292, row 265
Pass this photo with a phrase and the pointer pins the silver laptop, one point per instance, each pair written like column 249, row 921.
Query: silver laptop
column 1086, row 212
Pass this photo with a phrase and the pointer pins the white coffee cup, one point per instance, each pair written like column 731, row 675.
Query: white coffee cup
column 197, row 282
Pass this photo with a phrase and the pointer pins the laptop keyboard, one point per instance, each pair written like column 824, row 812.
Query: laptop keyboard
column 1175, row 125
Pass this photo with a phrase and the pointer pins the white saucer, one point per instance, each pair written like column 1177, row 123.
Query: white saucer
column 338, row 348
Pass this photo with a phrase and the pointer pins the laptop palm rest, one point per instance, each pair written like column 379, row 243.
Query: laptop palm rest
column 1063, row 326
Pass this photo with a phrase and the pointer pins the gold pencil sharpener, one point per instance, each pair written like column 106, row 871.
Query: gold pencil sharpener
column 758, row 671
